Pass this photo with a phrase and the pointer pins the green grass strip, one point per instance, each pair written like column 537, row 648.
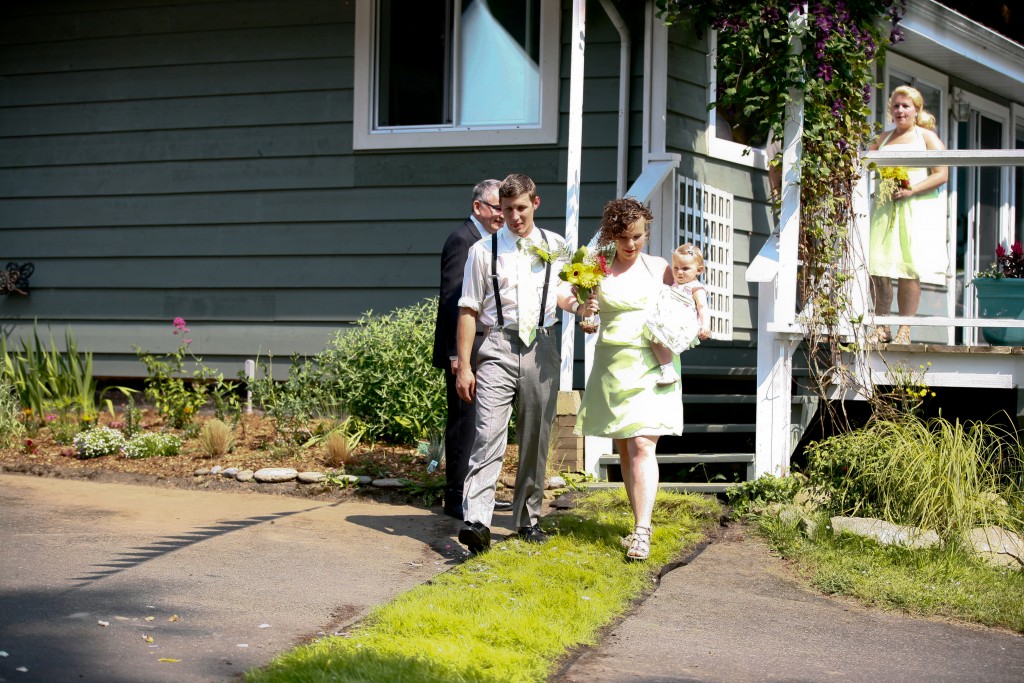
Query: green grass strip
column 511, row 613
column 936, row 581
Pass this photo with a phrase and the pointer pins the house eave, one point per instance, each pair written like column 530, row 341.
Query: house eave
column 963, row 48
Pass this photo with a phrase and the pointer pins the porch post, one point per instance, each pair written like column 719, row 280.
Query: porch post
column 572, row 199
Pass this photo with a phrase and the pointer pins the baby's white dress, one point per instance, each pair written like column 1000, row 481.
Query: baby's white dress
column 673, row 320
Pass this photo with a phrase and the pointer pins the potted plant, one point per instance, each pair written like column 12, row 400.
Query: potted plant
column 1001, row 295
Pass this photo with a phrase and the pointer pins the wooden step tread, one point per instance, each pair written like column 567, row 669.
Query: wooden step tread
column 669, row 458
column 698, row 428
column 685, row 487
column 738, row 398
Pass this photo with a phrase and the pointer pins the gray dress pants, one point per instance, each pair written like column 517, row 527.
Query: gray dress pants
column 507, row 371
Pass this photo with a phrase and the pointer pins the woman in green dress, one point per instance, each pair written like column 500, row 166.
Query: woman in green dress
column 908, row 217
column 623, row 400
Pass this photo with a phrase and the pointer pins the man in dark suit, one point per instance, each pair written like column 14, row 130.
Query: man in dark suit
column 485, row 220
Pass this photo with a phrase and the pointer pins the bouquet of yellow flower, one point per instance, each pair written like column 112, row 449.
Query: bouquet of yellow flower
column 587, row 268
column 892, row 180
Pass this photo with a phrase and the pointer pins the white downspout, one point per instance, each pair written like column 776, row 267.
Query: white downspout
column 625, row 45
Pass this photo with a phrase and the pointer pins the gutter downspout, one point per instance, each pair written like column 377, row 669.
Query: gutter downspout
column 625, row 43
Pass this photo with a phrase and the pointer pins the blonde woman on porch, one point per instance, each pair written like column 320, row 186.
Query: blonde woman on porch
column 908, row 216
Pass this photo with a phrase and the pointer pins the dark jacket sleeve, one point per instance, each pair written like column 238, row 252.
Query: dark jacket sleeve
column 453, row 264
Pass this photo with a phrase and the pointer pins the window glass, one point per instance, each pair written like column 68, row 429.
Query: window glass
column 479, row 68
column 1019, row 186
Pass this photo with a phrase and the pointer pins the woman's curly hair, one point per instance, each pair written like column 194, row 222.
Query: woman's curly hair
column 619, row 214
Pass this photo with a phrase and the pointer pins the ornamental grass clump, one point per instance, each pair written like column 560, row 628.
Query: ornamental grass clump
column 11, row 428
column 932, row 474
column 152, row 444
column 216, row 438
column 98, row 442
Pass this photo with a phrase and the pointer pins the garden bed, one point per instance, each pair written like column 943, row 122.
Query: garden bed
column 258, row 445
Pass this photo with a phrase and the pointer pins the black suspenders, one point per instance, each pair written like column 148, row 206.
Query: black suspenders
column 494, row 280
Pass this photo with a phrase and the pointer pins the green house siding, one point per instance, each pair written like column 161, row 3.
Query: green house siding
column 195, row 159
column 686, row 95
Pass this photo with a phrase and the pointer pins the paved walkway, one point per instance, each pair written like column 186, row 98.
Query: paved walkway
column 735, row 614
column 249, row 575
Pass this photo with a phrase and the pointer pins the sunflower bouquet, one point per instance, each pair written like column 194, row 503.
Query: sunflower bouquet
column 587, row 267
column 892, row 179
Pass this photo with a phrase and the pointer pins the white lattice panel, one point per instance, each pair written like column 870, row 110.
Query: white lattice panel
column 705, row 219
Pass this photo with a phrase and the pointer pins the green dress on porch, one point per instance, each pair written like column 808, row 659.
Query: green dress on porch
column 908, row 236
column 622, row 398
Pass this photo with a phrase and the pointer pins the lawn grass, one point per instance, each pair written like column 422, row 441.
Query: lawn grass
column 933, row 581
column 511, row 613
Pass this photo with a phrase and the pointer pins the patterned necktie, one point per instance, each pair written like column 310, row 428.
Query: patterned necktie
column 526, row 294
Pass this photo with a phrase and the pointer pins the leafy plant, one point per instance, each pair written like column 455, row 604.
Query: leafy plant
column 47, row 380
column 216, row 438
column 179, row 395
column 382, row 367
column 307, row 394
column 99, row 442
column 939, row 475
column 755, row 495
column 151, row 444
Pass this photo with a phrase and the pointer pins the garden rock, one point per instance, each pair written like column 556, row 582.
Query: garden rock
column 555, row 482
column 229, row 472
column 201, row 472
column 389, row 483
column 998, row 546
column 244, row 475
column 884, row 532
column 352, row 479
column 365, row 480
column 216, row 469
column 273, row 475
column 311, row 477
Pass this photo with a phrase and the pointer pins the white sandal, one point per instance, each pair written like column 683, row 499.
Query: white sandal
column 640, row 545
column 627, row 540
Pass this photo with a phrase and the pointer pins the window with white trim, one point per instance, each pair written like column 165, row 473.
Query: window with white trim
column 454, row 73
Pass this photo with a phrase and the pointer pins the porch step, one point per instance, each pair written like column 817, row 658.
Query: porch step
column 683, row 487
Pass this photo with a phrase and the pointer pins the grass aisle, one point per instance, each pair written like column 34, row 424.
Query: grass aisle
column 511, row 613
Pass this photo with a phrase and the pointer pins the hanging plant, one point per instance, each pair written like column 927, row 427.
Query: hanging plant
column 839, row 43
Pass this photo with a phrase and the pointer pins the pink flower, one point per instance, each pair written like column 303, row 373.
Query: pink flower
column 1017, row 248
column 180, row 325
column 187, row 341
column 51, row 417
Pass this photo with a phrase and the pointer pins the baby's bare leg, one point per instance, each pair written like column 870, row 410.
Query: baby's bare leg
column 662, row 353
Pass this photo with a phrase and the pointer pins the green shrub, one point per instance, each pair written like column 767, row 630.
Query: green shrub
column 383, row 367
column 935, row 474
column 99, row 442
column 150, row 444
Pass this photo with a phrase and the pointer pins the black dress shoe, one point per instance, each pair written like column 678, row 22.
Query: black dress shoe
column 502, row 506
column 475, row 536
column 453, row 512
column 531, row 534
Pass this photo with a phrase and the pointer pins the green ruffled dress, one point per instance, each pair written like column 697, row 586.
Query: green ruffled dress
column 622, row 398
column 908, row 236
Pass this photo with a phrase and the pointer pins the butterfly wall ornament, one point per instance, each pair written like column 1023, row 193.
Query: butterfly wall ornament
column 14, row 278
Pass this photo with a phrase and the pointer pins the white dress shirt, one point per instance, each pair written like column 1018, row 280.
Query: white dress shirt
column 477, row 291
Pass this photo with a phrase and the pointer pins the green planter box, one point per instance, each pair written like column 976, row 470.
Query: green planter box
column 1001, row 298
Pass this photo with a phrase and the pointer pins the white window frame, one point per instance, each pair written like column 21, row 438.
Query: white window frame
column 364, row 136
column 720, row 148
